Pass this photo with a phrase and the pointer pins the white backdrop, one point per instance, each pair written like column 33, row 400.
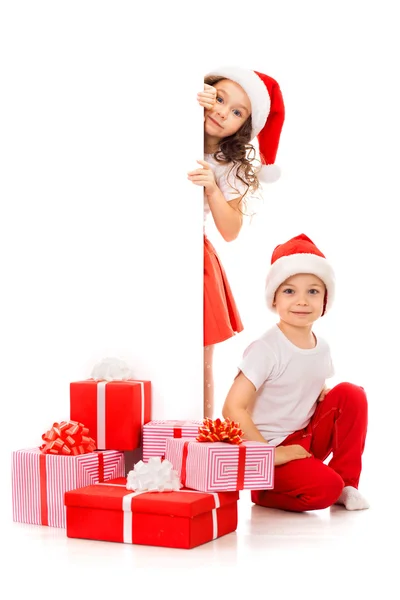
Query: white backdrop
column 101, row 232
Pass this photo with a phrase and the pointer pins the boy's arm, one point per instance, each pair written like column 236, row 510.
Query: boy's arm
column 239, row 397
column 235, row 407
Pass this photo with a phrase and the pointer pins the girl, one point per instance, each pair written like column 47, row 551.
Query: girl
column 238, row 106
column 280, row 396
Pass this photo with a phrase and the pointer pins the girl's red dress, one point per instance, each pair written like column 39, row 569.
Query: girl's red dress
column 221, row 316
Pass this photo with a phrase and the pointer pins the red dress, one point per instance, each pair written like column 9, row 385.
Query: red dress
column 221, row 316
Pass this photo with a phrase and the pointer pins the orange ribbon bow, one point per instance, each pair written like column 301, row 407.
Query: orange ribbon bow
column 69, row 438
column 220, row 431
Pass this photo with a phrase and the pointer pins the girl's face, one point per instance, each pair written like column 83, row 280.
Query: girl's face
column 299, row 301
column 232, row 108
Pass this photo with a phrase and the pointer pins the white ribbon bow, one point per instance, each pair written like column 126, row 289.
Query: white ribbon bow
column 112, row 369
column 154, row 476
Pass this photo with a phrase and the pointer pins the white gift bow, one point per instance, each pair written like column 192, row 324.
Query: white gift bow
column 112, row 369
column 154, row 476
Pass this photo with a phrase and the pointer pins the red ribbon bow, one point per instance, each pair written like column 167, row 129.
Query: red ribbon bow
column 69, row 438
column 220, row 431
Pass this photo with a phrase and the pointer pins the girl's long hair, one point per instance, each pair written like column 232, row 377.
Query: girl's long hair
column 238, row 150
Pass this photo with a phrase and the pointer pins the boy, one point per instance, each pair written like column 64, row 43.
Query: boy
column 280, row 397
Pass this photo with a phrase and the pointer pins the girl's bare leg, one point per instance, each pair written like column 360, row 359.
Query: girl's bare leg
column 208, row 382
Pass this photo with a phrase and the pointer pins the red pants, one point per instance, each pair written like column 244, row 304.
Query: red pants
column 339, row 425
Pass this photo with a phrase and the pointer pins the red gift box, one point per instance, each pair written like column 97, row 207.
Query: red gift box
column 182, row 519
column 113, row 411
column 155, row 434
column 39, row 481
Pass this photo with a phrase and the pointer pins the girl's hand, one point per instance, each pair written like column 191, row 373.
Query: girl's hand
column 323, row 394
column 208, row 97
column 284, row 454
column 204, row 177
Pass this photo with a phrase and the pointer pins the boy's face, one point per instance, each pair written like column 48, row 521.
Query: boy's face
column 299, row 301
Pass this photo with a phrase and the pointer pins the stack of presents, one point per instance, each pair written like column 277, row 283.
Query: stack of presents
column 183, row 493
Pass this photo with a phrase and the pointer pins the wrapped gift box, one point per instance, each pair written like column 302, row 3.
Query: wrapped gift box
column 156, row 432
column 182, row 519
column 114, row 411
column 219, row 466
column 39, row 481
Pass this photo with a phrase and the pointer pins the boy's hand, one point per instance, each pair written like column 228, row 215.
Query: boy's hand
column 323, row 394
column 285, row 454
column 208, row 97
column 204, row 177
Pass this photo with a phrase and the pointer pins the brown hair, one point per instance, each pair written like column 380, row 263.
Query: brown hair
column 238, row 150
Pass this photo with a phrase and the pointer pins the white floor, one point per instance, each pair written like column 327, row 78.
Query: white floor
column 331, row 553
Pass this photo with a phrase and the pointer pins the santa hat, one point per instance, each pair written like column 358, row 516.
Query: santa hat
column 267, row 114
column 299, row 255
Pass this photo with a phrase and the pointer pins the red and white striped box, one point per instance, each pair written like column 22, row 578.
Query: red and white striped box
column 113, row 411
column 156, row 432
column 40, row 480
column 222, row 467
column 181, row 519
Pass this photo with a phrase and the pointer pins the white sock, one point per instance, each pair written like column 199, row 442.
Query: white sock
column 352, row 499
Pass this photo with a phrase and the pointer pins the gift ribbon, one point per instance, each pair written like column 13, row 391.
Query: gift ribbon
column 184, row 459
column 43, row 490
column 101, row 409
column 101, row 414
column 127, row 510
column 214, row 515
column 68, row 438
column 177, row 433
column 220, row 431
column 44, row 513
column 241, row 465
column 101, row 466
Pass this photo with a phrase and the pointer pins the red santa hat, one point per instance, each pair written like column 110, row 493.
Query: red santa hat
column 299, row 255
column 267, row 114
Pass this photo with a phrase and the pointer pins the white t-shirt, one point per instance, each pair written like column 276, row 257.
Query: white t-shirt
column 288, row 381
column 230, row 186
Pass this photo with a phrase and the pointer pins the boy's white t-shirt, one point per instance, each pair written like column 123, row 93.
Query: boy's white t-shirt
column 288, row 381
column 230, row 186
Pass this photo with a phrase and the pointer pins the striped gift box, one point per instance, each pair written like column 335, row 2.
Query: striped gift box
column 222, row 467
column 39, row 481
column 155, row 434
